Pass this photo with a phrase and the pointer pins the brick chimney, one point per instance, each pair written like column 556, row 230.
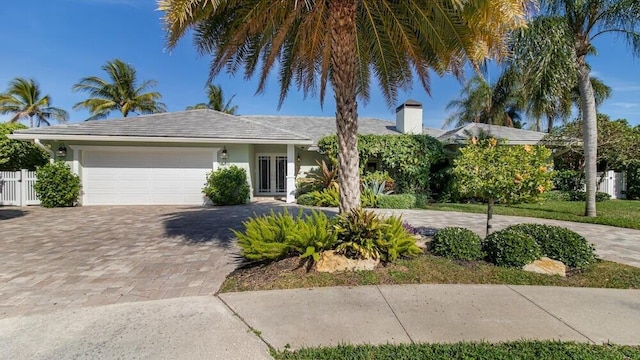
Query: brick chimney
column 409, row 117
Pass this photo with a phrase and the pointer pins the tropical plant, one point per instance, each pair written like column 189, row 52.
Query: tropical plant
column 216, row 101
column 120, row 92
column 586, row 21
column 24, row 100
column 481, row 102
column 344, row 42
column 56, row 185
column 318, row 178
column 495, row 172
column 543, row 66
column 16, row 154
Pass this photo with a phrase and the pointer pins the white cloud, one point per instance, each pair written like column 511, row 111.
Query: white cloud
column 626, row 105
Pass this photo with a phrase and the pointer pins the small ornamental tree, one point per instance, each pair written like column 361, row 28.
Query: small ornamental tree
column 496, row 172
column 16, row 154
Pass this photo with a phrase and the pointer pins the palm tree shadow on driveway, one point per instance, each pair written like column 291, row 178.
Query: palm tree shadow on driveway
column 214, row 224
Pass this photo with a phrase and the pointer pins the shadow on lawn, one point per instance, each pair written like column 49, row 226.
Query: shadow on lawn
column 214, row 224
column 10, row 213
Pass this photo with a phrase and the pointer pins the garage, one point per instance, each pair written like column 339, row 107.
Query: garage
column 145, row 175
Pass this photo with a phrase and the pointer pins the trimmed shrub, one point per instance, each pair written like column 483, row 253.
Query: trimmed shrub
column 633, row 181
column 57, row 185
column 227, row 186
column 397, row 201
column 559, row 243
column 307, row 199
column 457, row 243
column 511, row 248
column 556, row 195
column 582, row 196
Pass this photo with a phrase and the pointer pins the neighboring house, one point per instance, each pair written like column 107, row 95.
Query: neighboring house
column 163, row 159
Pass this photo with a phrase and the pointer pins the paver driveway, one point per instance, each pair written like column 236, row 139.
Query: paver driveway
column 84, row 256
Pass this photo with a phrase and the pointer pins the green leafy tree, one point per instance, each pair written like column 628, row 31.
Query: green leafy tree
column 120, row 92
column 501, row 173
column 586, row 21
column 216, row 101
column 24, row 100
column 342, row 43
column 617, row 145
column 16, row 154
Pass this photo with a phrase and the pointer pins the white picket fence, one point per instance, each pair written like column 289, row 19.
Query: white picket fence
column 16, row 188
column 614, row 184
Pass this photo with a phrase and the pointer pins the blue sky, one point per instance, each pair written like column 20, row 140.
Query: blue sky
column 59, row 42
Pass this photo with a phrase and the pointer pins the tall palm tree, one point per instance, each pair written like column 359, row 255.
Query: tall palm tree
column 480, row 102
column 24, row 99
column 342, row 42
column 120, row 92
column 543, row 63
column 216, row 101
column 587, row 20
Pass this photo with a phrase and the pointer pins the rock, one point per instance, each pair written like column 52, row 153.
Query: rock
column 547, row 266
column 424, row 242
column 331, row 262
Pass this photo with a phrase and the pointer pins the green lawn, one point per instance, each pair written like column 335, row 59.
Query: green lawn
column 538, row 350
column 620, row 213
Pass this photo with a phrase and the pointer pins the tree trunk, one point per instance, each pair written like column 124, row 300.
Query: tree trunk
column 342, row 19
column 31, row 121
column 489, row 215
column 549, row 123
column 589, row 134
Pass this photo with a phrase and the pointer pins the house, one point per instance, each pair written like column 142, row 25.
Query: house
column 163, row 159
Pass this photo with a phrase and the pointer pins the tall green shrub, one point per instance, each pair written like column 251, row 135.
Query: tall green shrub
column 57, row 185
column 227, row 186
column 633, row 181
column 16, row 154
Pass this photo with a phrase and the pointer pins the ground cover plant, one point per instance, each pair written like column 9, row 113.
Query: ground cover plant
column 620, row 213
column 534, row 350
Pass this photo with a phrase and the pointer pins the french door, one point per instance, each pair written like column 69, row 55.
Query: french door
column 272, row 174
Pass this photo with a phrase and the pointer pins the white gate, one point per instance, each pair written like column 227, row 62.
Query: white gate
column 16, row 188
column 614, row 184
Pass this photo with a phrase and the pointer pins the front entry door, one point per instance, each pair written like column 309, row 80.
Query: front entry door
column 272, row 174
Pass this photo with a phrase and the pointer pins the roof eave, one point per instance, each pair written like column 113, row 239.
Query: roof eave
column 156, row 139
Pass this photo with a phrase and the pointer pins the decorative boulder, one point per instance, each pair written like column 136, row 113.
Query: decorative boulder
column 331, row 262
column 424, row 242
column 547, row 266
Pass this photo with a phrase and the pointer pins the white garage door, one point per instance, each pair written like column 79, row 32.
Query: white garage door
column 145, row 176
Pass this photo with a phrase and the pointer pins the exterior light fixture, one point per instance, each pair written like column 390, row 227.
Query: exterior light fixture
column 224, row 155
column 61, row 152
column 298, row 158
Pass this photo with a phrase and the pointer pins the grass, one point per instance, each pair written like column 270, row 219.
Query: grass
column 513, row 350
column 619, row 213
column 427, row 269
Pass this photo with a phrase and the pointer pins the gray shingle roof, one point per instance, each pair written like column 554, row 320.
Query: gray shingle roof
column 316, row 127
column 207, row 124
column 513, row 136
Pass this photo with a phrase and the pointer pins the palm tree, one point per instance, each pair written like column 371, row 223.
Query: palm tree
column 585, row 21
column 24, row 99
column 216, row 101
column 342, row 42
column 121, row 92
column 480, row 102
column 543, row 63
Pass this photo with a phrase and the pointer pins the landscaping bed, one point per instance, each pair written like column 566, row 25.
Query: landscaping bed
column 513, row 350
column 425, row 269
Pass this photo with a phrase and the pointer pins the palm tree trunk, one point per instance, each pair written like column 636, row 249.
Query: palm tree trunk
column 589, row 134
column 31, row 121
column 549, row 123
column 342, row 18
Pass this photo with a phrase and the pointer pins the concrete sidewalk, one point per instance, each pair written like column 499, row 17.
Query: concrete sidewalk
column 439, row 314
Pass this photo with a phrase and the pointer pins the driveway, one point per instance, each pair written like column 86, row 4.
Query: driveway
column 88, row 256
